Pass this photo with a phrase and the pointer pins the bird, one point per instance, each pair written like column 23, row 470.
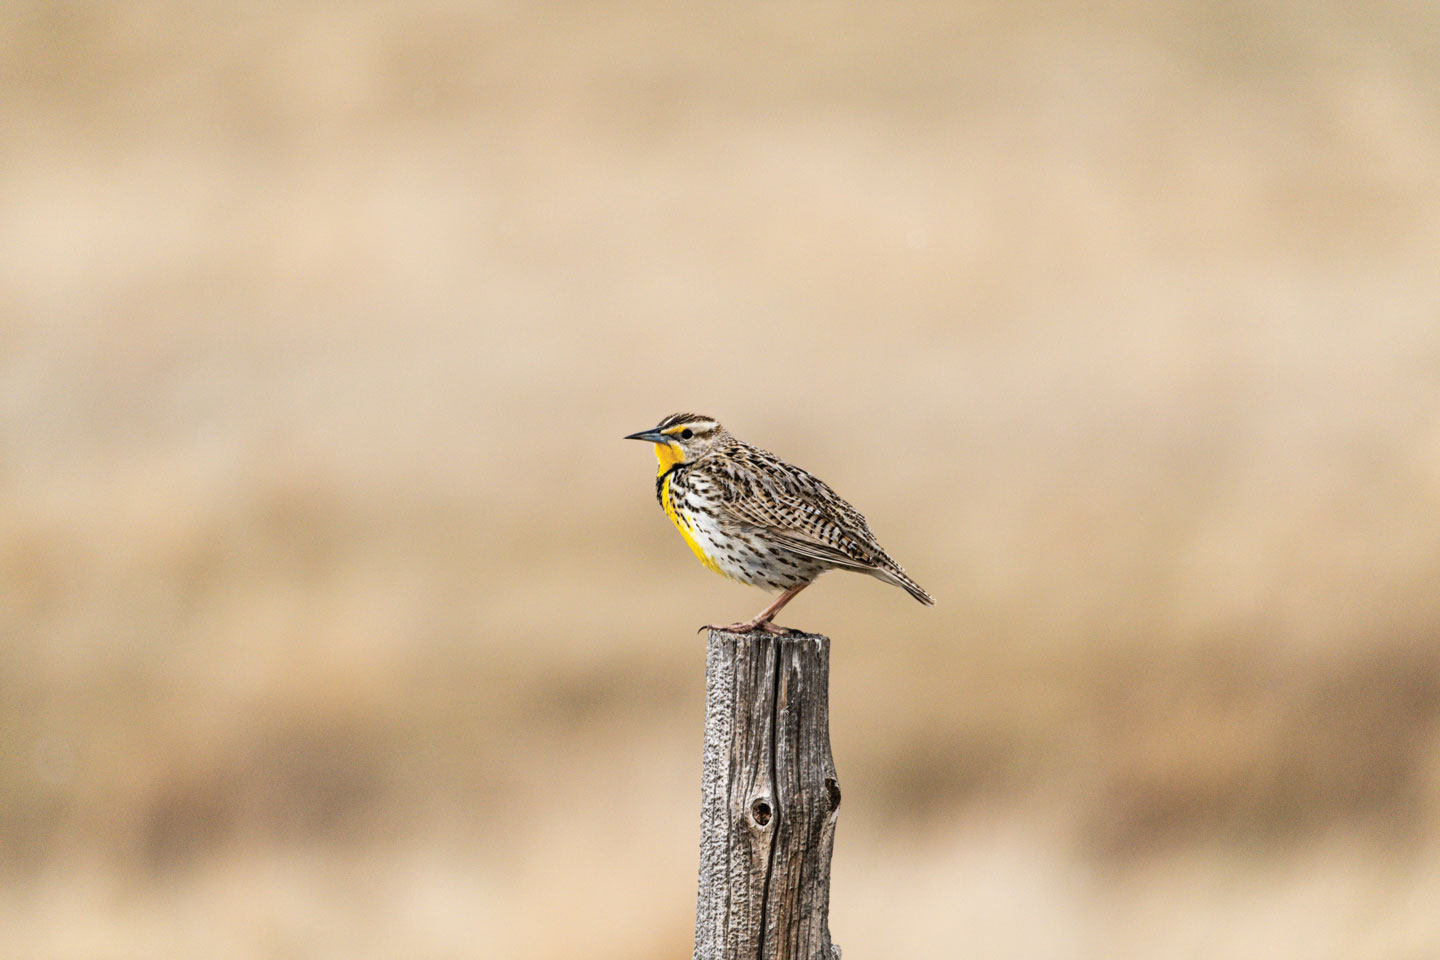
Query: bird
column 752, row 517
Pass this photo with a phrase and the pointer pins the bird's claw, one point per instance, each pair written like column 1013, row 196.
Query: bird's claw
column 751, row 626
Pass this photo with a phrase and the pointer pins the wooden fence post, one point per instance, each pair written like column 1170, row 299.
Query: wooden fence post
column 769, row 798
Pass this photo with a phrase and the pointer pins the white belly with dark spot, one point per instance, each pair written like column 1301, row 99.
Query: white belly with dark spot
column 746, row 557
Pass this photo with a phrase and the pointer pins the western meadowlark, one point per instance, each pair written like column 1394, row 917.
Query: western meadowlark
column 752, row 517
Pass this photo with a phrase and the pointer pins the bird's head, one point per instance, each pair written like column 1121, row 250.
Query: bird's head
column 683, row 438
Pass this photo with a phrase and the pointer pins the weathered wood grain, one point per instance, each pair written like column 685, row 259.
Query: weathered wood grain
column 769, row 797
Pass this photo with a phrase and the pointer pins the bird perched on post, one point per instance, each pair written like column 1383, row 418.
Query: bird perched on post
column 752, row 517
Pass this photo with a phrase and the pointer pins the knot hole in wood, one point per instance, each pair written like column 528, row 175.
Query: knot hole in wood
column 760, row 811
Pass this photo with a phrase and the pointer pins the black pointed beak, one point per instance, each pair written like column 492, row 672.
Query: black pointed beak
column 652, row 436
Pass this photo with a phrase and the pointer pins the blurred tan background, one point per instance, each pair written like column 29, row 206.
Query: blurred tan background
column 338, row 621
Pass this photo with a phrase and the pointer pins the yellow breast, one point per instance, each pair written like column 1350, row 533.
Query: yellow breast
column 670, row 454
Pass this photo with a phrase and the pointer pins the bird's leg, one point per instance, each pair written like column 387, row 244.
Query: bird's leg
column 768, row 614
column 762, row 620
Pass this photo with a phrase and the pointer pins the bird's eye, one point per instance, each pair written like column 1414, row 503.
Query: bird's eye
column 686, row 434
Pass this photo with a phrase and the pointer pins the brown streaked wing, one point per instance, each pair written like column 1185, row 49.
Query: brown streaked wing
column 798, row 511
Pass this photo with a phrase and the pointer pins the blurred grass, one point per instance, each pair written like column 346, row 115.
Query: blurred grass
column 335, row 619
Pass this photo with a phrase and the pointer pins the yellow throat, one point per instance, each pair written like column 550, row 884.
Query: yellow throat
column 669, row 454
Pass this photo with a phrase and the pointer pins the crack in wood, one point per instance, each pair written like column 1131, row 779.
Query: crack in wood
column 779, row 800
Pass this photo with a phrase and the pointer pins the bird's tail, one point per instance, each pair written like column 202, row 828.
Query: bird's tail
column 900, row 578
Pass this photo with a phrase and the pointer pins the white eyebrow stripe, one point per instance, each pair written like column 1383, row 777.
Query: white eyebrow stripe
column 699, row 426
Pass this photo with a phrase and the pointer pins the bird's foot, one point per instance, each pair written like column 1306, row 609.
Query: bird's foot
column 746, row 627
column 750, row 626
